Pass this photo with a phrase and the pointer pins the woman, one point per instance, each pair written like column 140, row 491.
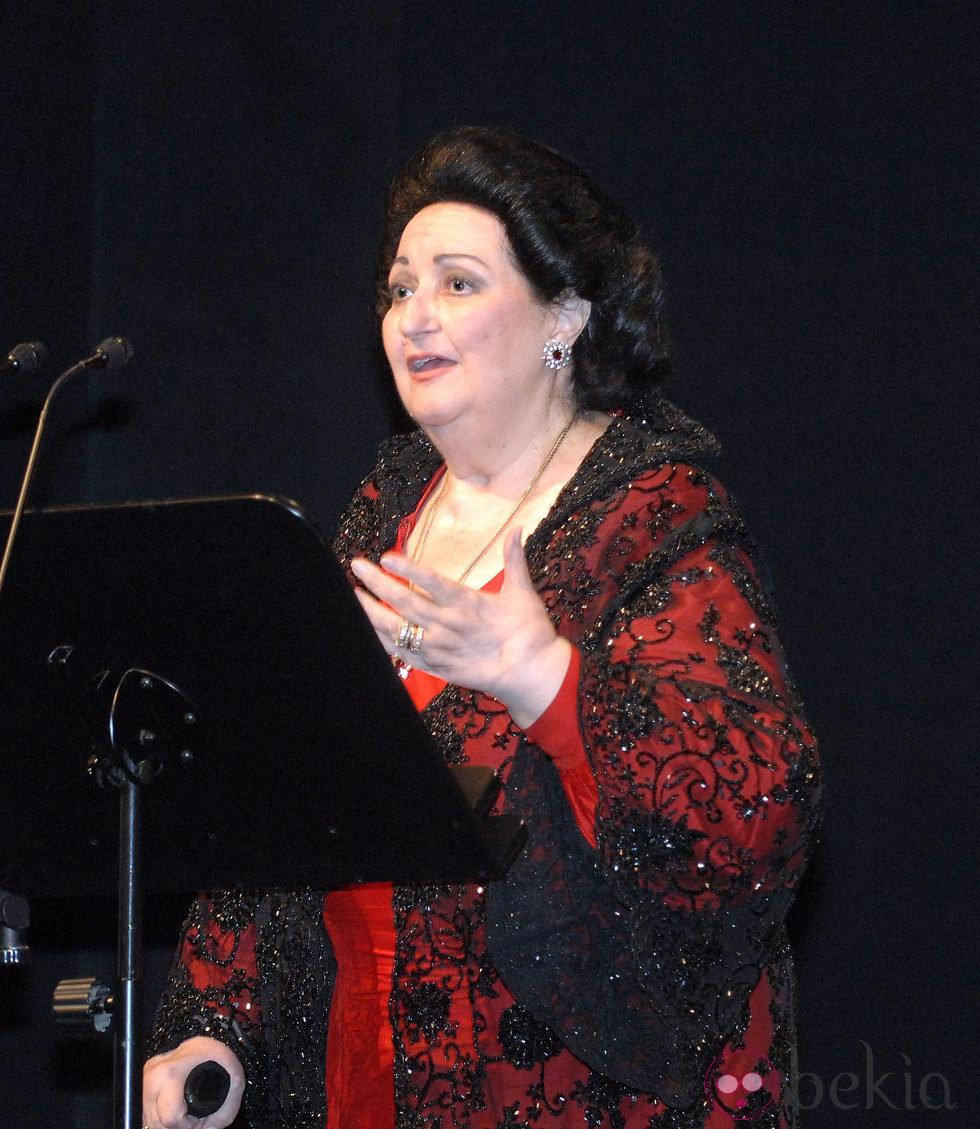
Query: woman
column 571, row 600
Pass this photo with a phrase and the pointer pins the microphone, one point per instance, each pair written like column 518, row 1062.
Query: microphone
column 111, row 353
column 25, row 358
column 206, row 1088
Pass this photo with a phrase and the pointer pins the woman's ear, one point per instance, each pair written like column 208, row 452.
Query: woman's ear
column 571, row 314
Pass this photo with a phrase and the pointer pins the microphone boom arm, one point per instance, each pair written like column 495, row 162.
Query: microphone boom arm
column 114, row 352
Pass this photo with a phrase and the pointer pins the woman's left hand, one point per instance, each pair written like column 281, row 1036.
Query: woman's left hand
column 501, row 643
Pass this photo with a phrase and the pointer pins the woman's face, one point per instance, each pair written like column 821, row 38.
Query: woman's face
column 465, row 332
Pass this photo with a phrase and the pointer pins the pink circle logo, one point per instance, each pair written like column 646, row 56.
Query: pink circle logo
column 744, row 1084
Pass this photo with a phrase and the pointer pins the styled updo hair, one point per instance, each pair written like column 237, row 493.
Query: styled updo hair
column 567, row 236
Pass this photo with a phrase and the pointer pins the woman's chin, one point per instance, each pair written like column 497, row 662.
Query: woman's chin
column 431, row 415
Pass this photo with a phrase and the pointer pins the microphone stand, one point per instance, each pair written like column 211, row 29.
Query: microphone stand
column 15, row 914
column 114, row 352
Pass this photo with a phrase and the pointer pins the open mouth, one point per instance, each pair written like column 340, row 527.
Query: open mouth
column 418, row 365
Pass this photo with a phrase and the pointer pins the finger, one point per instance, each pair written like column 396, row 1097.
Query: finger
column 171, row 1111
column 516, row 573
column 386, row 598
column 381, row 586
column 440, row 588
column 384, row 620
column 399, row 635
column 378, row 581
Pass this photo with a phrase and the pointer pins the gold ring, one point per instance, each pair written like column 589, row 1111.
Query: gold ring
column 409, row 636
column 415, row 638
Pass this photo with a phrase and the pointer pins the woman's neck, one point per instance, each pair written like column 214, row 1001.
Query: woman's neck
column 469, row 509
column 500, row 457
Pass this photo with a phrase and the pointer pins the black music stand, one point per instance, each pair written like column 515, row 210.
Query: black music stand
column 241, row 723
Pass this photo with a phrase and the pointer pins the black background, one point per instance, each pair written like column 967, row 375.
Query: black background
column 206, row 179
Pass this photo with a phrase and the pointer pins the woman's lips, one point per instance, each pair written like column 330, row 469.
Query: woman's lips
column 426, row 366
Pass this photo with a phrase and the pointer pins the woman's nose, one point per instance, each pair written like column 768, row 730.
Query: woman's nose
column 417, row 314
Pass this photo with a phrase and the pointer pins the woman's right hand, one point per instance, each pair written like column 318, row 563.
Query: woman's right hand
column 163, row 1085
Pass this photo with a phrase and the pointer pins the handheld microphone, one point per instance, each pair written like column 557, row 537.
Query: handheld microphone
column 206, row 1088
column 25, row 358
column 111, row 353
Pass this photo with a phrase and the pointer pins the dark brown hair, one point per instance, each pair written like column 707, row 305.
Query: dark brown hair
column 567, row 237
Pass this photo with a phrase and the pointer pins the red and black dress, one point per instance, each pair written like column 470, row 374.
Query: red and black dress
column 631, row 970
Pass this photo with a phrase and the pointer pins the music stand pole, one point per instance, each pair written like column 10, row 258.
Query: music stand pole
column 128, row 1049
column 145, row 722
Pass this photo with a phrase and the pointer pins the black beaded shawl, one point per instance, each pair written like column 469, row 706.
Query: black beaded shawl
column 640, row 955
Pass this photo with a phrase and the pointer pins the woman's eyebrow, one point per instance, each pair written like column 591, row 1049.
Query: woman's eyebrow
column 403, row 259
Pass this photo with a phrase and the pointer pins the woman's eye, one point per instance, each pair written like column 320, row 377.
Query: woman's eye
column 399, row 291
column 460, row 285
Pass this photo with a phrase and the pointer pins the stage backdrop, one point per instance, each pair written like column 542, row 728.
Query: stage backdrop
column 206, row 179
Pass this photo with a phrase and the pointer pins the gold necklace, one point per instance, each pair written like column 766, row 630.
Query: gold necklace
column 430, row 516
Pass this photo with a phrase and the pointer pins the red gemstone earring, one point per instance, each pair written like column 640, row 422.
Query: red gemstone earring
column 557, row 353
